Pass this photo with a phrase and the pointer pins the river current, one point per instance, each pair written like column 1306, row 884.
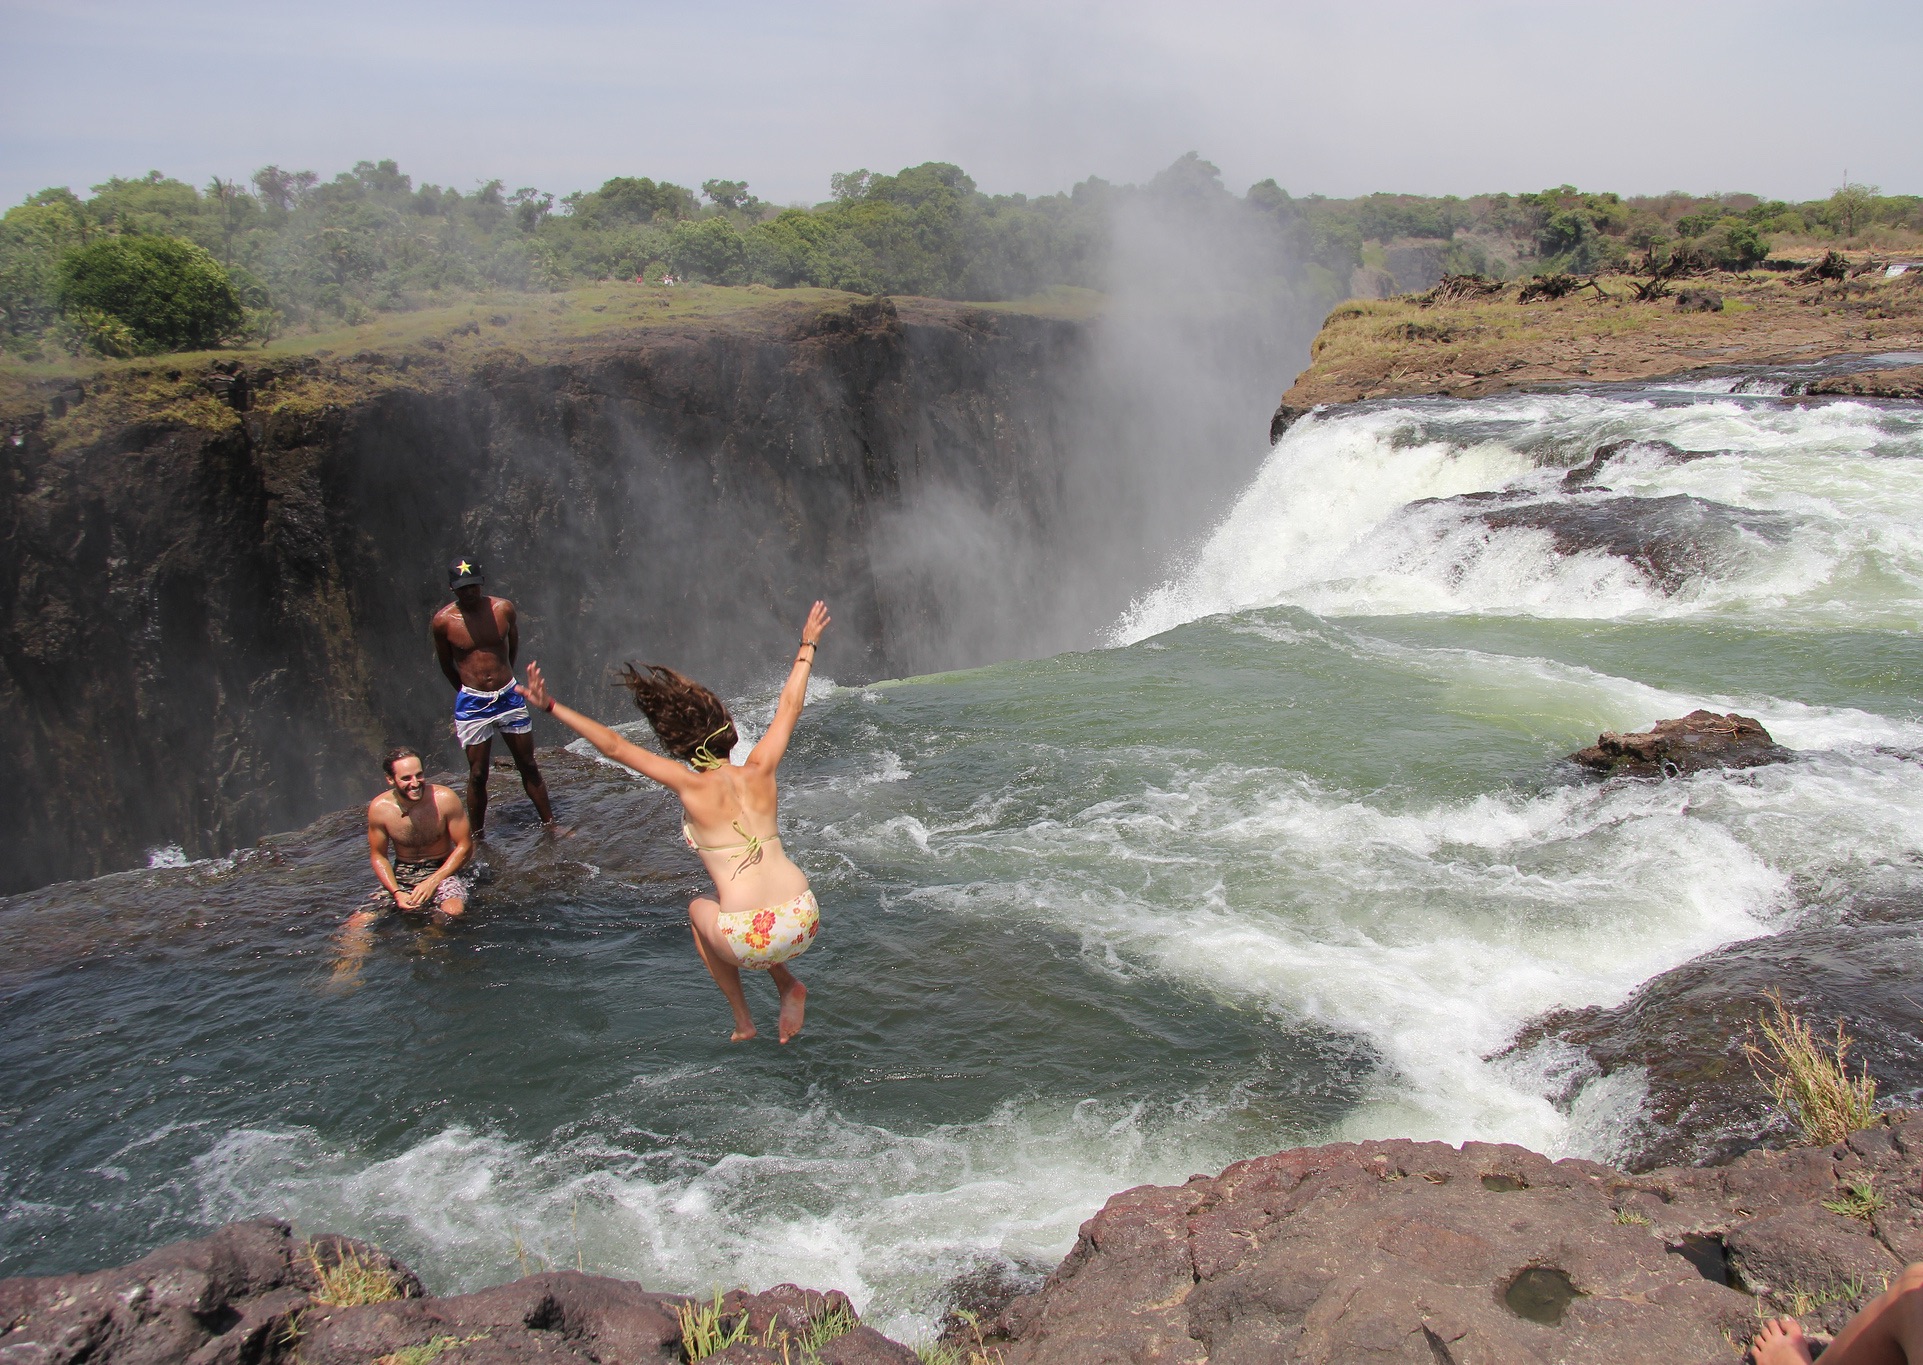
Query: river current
column 1290, row 860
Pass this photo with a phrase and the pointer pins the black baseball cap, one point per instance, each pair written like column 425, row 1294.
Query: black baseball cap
column 463, row 572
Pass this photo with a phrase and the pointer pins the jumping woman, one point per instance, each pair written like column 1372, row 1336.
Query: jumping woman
column 762, row 913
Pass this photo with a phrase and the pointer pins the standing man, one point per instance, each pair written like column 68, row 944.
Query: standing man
column 476, row 638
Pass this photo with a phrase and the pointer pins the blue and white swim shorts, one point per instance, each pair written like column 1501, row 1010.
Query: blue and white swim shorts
column 477, row 715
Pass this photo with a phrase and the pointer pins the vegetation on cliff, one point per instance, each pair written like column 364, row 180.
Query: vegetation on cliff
column 303, row 252
column 1486, row 341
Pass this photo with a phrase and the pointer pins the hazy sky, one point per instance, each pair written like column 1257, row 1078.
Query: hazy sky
column 1340, row 97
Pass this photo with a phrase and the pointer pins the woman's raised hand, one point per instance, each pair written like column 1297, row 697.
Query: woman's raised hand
column 818, row 619
column 535, row 689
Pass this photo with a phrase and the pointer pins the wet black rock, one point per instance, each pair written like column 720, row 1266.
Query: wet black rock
column 1585, row 474
column 1673, row 540
column 1672, row 748
column 1285, row 417
column 1683, row 1032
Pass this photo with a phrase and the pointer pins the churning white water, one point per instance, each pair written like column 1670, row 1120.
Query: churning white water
column 1293, row 860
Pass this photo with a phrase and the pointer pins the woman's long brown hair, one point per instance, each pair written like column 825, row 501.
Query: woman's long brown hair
column 684, row 714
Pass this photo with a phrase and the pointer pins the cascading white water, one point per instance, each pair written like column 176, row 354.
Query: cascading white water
column 1333, row 521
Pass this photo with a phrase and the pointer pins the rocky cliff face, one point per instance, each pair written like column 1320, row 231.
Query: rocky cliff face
column 214, row 597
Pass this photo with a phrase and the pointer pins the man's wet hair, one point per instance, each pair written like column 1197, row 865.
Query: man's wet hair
column 387, row 764
column 683, row 712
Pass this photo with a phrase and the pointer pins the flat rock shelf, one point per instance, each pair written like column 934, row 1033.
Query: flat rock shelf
column 1422, row 1252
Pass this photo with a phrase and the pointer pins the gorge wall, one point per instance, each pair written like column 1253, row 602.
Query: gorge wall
column 215, row 585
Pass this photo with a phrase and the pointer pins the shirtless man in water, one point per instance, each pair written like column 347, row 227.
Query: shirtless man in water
column 476, row 638
column 417, row 839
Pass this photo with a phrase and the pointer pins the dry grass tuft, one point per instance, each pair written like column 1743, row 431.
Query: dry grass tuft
column 705, row 1331
column 961, row 1352
column 427, row 1351
column 1811, row 1083
column 349, row 1280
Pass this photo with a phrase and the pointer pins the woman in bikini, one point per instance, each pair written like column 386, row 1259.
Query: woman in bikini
column 762, row 913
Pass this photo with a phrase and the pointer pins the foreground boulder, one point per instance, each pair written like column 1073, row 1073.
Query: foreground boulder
column 1671, row 748
column 1425, row 1253
column 251, row 1293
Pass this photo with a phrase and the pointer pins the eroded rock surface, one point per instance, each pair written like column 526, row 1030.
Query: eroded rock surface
column 1425, row 1253
column 245, row 1296
column 1683, row 1031
column 1671, row 748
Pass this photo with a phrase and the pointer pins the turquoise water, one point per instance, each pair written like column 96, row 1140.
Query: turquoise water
column 1285, row 863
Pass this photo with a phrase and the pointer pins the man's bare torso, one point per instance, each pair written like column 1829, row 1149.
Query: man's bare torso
column 418, row 834
column 478, row 642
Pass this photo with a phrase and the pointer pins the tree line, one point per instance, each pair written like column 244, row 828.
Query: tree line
column 153, row 263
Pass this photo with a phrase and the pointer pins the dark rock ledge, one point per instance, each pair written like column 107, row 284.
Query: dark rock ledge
column 245, row 1296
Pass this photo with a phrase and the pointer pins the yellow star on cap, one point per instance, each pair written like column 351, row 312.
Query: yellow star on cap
column 464, row 567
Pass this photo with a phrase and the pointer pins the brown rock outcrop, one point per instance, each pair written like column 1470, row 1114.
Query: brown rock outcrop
column 1671, row 748
column 245, row 1296
column 1425, row 1253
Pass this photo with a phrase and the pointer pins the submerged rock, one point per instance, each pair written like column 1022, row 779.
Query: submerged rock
column 247, row 1294
column 1585, row 474
column 1671, row 748
column 1412, row 1251
column 1671, row 539
column 1682, row 1033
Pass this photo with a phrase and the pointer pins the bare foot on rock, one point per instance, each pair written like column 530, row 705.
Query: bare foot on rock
column 794, row 1004
column 1779, row 1343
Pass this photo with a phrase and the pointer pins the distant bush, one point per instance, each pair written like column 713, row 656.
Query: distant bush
column 1731, row 244
column 166, row 295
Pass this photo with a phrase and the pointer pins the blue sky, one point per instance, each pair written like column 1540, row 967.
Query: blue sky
column 1336, row 98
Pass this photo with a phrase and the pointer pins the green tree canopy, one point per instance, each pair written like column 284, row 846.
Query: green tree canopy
column 170, row 294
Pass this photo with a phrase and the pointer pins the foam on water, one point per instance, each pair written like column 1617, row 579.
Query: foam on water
column 1431, row 931
column 1334, row 521
column 803, row 1195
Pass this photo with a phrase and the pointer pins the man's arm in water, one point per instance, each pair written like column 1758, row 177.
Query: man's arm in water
column 623, row 751
column 377, row 851
column 766, row 755
column 444, row 648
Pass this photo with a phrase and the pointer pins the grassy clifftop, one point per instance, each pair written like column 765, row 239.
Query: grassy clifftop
column 80, row 400
column 1468, row 347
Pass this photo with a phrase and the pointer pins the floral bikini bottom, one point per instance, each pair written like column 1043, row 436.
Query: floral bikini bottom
column 770, row 936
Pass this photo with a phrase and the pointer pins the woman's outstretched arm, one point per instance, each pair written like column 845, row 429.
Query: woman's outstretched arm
column 771, row 746
column 623, row 751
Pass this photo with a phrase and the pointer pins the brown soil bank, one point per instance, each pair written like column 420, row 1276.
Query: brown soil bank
column 1468, row 347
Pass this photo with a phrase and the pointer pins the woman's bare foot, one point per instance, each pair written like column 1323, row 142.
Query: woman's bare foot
column 743, row 1032
column 794, row 1004
column 1779, row 1343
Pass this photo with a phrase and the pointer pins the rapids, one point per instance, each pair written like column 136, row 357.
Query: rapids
column 1292, row 859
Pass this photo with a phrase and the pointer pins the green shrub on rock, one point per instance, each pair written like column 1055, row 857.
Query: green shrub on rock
column 166, row 295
